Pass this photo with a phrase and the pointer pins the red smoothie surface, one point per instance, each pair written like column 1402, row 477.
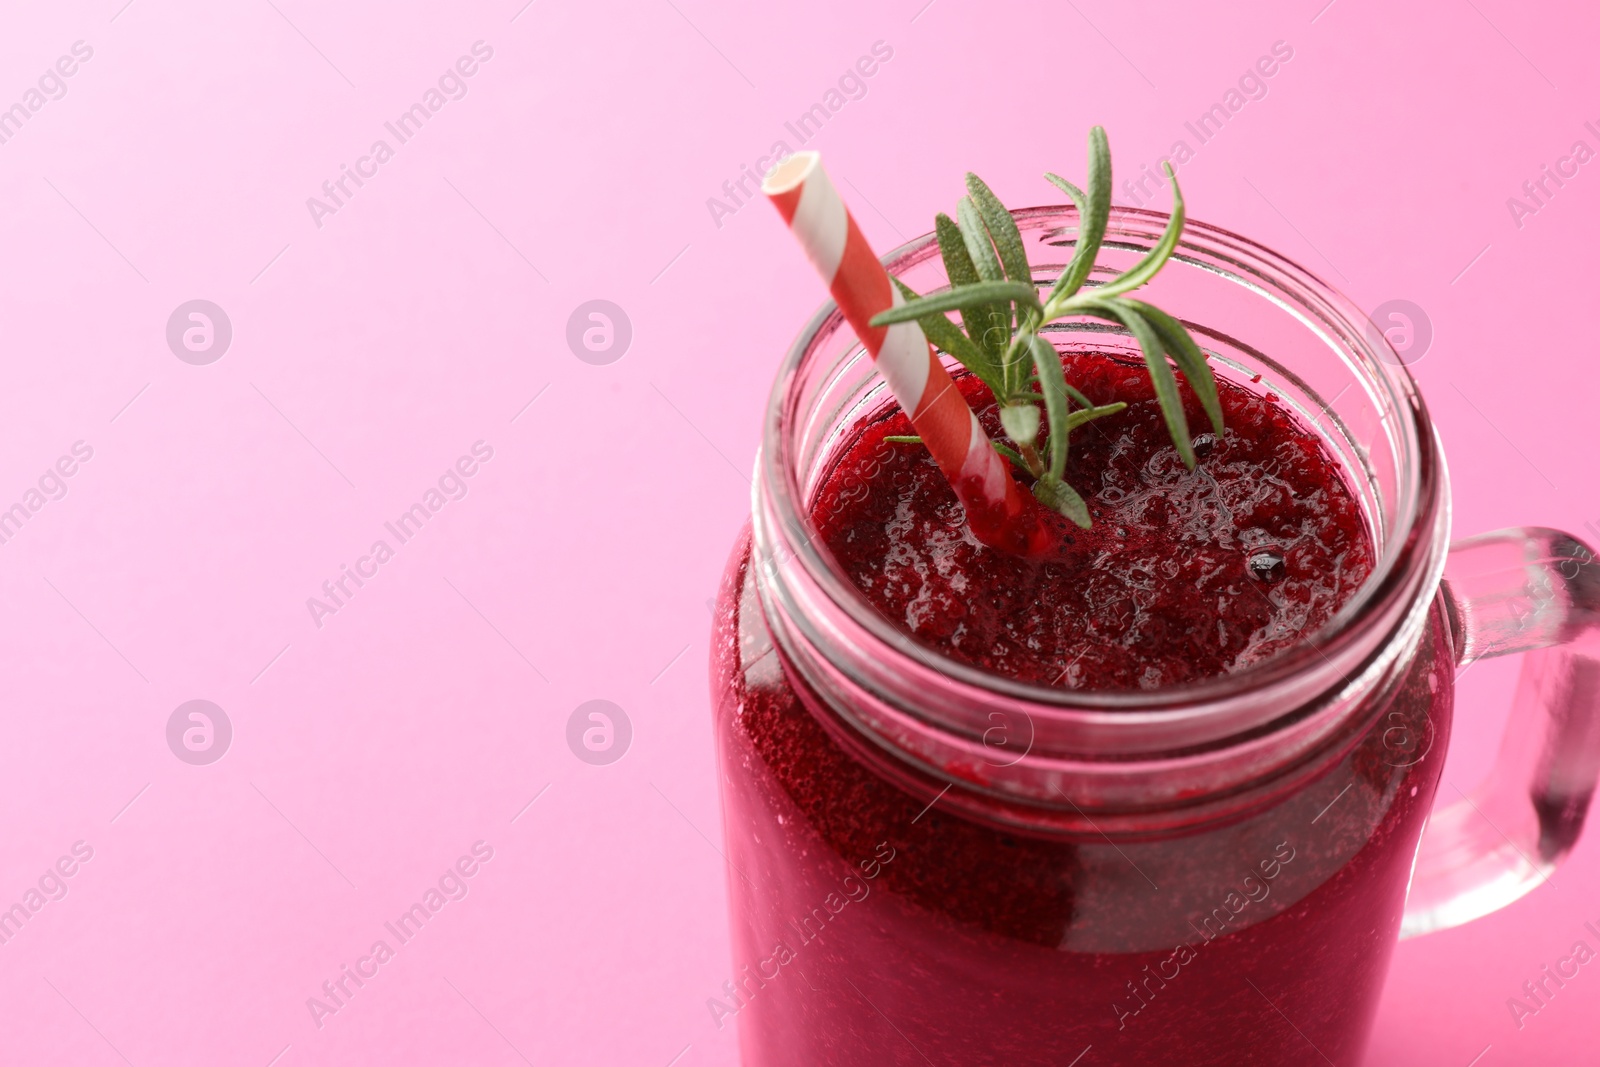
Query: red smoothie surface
column 1185, row 574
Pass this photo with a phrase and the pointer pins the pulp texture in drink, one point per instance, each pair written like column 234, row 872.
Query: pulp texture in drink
column 1184, row 575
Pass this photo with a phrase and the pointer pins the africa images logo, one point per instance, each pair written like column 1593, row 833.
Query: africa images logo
column 452, row 885
column 452, row 85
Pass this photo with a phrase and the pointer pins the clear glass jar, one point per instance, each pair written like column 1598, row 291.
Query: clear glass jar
column 930, row 863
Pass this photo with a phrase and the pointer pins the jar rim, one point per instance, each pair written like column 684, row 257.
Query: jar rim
column 1410, row 556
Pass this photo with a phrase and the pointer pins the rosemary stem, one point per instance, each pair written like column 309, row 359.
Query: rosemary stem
column 1030, row 456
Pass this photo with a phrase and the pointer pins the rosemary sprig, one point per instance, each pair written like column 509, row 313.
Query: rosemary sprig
column 997, row 339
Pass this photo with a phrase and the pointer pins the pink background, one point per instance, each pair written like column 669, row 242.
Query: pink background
column 372, row 351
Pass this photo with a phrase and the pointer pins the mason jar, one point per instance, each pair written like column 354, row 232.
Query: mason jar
column 930, row 863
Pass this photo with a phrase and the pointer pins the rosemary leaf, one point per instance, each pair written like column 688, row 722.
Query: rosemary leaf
column 958, row 265
column 1007, row 239
column 1008, row 453
column 959, row 268
column 1079, row 200
column 979, row 245
column 1072, row 391
column 1058, row 291
column 1012, row 455
column 1057, row 405
column 1092, row 216
column 947, row 337
column 998, row 319
column 1157, row 257
column 1187, row 355
column 1020, row 421
column 962, row 298
column 1078, row 418
column 1155, row 360
column 1002, row 228
column 1057, row 495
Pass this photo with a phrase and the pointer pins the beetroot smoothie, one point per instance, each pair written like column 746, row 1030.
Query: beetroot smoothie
column 875, row 923
column 1182, row 576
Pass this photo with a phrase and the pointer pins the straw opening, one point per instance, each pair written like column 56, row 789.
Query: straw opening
column 789, row 173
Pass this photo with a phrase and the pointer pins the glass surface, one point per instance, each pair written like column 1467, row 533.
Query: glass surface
column 868, row 930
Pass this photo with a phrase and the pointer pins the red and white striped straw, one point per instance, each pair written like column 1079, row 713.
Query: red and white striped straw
column 999, row 513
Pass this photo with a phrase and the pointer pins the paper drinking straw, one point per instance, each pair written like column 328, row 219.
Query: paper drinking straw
column 999, row 513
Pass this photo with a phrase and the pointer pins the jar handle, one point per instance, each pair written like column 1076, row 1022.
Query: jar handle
column 1534, row 591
